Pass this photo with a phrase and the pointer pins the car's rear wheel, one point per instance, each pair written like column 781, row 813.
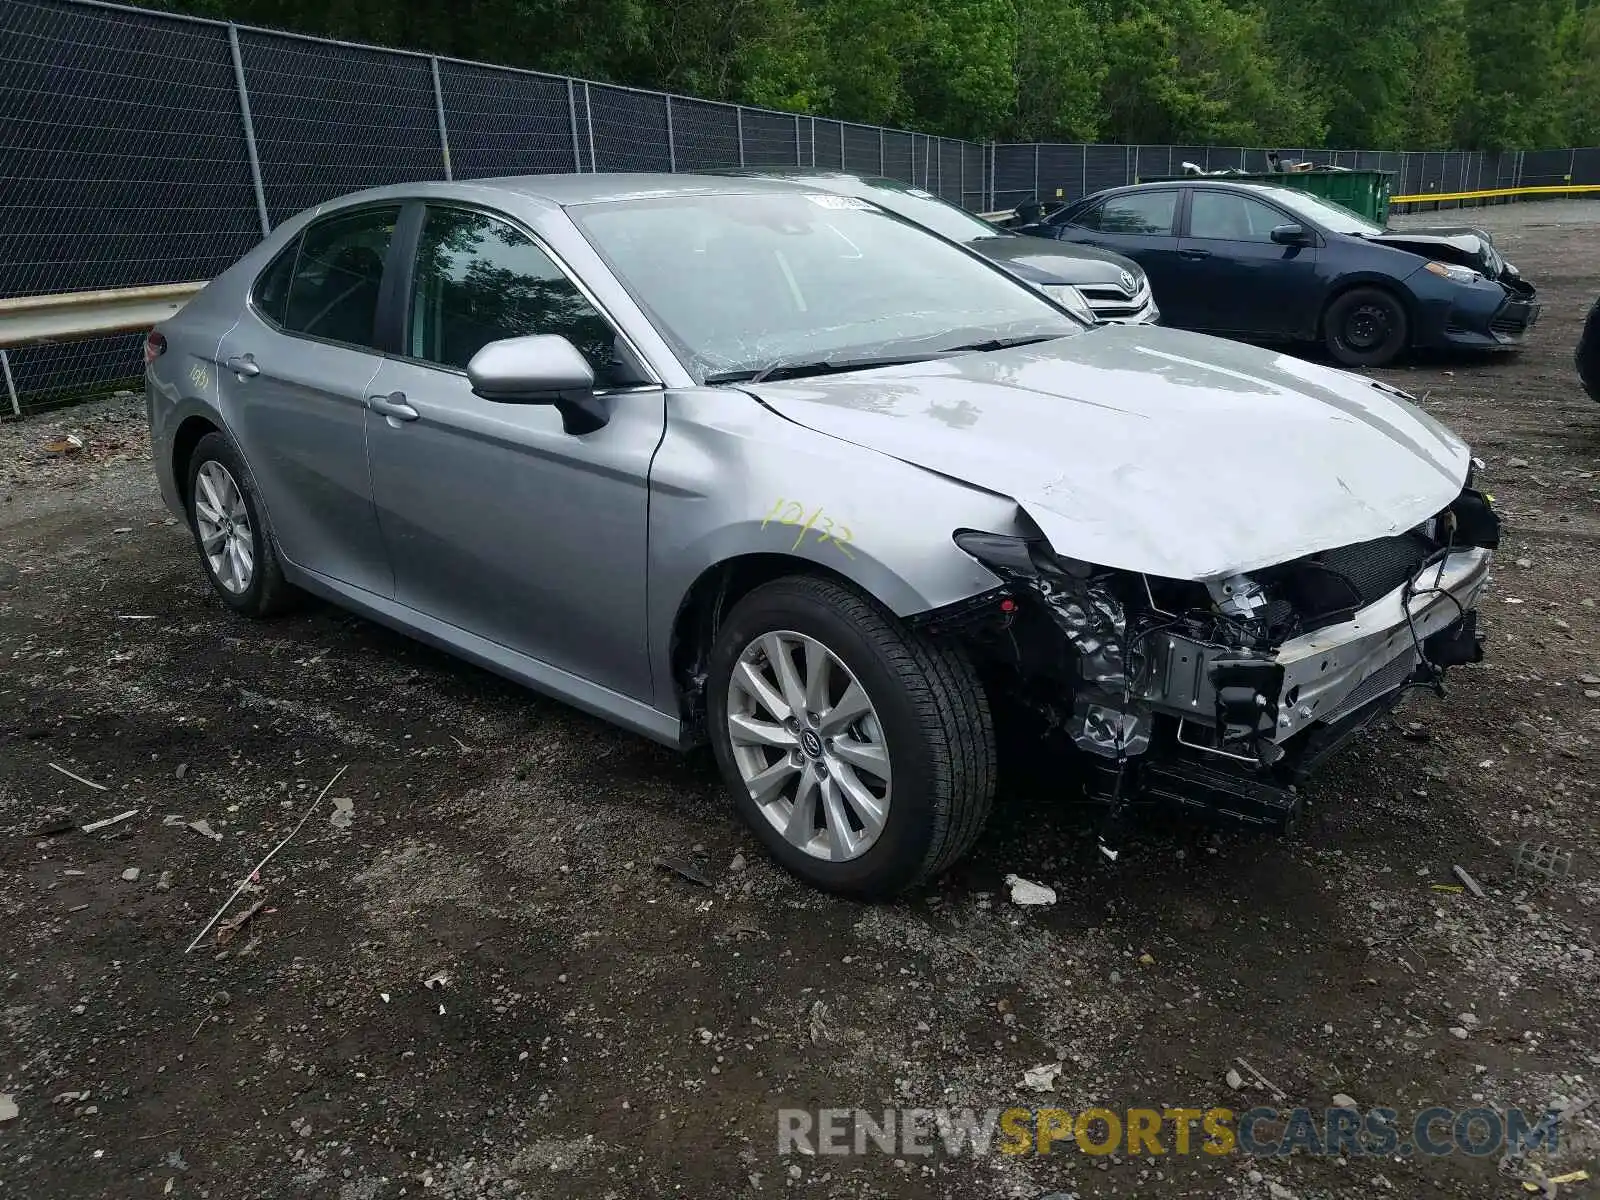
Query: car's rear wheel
column 231, row 533
column 860, row 753
column 1366, row 327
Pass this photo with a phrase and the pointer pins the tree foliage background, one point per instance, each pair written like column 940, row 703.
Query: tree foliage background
column 1370, row 74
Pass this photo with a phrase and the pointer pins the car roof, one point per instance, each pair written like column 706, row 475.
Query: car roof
column 1208, row 181
column 587, row 188
column 821, row 176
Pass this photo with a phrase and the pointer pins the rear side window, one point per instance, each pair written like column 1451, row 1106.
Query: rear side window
column 1148, row 213
column 333, row 292
column 271, row 292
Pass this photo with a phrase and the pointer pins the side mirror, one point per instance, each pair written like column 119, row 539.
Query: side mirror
column 1291, row 235
column 542, row 368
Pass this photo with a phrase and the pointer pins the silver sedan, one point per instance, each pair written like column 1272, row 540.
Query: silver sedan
column 744, row 461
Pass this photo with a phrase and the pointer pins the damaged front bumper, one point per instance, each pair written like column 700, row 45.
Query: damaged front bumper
column 1227, row 705
column 1324, row 675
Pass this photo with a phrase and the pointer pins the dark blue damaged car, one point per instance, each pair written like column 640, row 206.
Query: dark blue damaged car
column 1264, row 263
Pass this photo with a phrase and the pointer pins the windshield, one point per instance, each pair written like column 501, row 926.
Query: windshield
column 1335, row 218
column 739, row 282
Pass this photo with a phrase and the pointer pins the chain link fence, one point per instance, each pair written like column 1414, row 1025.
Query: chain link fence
column 139, row 147
column 142, row 147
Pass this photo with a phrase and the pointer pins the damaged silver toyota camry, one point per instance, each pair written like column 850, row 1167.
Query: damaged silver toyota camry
column 737, row 461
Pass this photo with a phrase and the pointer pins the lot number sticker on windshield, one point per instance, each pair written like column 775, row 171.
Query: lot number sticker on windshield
column 831, row 201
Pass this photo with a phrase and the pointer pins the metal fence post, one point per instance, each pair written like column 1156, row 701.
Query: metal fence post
column 249, row 131
column 1036, row 170
column 672, row 142
column 588, row 119
column 572, row 113
column 738, row 119
column 1083, row 171
column 843, row 165
column 438, row 108
column 11, row 384
column 799, row 157
column 814, row 142
column 883, row 154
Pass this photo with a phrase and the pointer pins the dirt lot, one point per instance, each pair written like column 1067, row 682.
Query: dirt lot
column 613, row 1029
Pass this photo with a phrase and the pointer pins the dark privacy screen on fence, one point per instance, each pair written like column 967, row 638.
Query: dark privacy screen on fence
column 140, row 147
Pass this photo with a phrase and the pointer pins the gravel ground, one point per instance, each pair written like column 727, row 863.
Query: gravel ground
column 601, row 1027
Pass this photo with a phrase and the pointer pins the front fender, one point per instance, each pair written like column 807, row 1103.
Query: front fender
column 733, row 479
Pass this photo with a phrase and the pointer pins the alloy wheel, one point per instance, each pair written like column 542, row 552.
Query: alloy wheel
column 808, row 744
column 223, row 522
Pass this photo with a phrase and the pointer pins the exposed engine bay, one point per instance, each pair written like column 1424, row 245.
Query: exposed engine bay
column 1225, row 694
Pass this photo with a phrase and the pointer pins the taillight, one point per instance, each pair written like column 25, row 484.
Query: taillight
column 155, row 345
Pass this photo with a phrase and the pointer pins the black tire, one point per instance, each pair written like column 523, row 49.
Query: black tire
column 935, row 722
column 1366, row 327
column 267, row 593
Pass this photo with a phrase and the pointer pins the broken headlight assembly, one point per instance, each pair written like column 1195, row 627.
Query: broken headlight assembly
column 1453, row 273
column 1232, row 689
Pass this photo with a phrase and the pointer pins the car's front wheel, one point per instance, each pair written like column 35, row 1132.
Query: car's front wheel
column 230, row 530
column 1366, row 327
column 860, row 753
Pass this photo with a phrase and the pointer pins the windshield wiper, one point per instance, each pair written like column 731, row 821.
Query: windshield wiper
column 794, row 368
column 1001, row 343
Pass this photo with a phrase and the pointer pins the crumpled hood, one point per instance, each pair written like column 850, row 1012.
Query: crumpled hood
column 1462, row 245
column 1152, row 449
column 1044, row 260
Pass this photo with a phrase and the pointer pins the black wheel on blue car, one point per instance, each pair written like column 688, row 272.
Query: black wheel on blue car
column 231, row 532
column 859, row 752
column 1366, row 327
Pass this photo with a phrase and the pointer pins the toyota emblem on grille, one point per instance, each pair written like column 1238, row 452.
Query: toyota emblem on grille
column 1127, row 281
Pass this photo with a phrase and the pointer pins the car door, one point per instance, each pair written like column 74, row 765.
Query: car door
column 1142, row 225
column 497, row 520
column 1254, row 286
column 293, row 380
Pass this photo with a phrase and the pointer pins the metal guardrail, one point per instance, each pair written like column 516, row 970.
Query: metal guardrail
column 28, row 320
column 36, row 320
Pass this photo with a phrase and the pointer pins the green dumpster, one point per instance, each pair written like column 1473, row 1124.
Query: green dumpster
column 1364, row 192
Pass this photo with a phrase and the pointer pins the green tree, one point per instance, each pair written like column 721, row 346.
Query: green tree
column 1580, row 84
column 1439, row 82
column 1199, row 71
column 1515, row 101
column 1363, row 52
column 1058, row 72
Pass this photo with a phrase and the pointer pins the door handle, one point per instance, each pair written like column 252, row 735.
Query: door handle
column 243, row 364
column 1194, row 255
column 393, row 405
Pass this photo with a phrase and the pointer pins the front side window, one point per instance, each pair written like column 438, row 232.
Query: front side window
column 740, row 282
column 1146, row 213
column 334, row 291
column 479, row 280
column 1226, row 216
